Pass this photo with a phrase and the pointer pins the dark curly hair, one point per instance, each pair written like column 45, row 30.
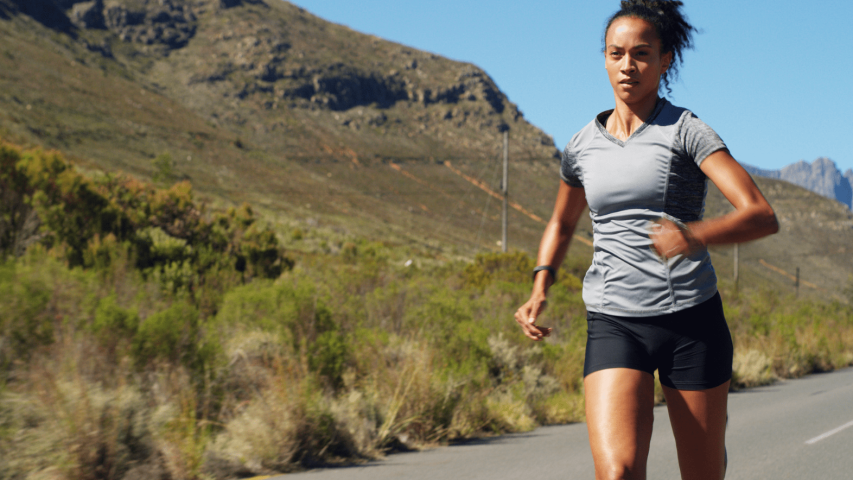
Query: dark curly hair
column 673, row 30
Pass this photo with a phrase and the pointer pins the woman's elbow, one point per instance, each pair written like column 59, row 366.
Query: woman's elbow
column 769, row 220
column 773, row 224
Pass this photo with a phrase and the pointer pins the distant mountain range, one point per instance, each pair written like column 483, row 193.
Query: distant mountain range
column 821, row 176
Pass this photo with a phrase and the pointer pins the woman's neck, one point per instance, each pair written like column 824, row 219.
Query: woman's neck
column 627, row 118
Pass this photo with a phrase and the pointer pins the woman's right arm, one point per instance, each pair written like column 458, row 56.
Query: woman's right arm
column 570, row 204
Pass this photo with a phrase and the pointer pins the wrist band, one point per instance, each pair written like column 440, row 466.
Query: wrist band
column 550, row 270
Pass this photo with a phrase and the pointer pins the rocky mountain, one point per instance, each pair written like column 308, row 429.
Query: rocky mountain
column 260, row 101
column 849, row 176
column 263, row 64
column 821, row 176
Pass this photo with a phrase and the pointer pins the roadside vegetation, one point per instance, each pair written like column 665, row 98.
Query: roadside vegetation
column 142, row 336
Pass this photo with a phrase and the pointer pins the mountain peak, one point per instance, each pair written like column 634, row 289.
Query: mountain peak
column 821, row 176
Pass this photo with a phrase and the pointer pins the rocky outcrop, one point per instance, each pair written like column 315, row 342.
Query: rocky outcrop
column 88, row 14
column 6, row 10
column 167, row 23
column 821, row 176
column 342, row 88
column 49, row 13
column 224, row 4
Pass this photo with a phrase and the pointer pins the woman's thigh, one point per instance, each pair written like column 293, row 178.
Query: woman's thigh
column 619, row 416
column 698, row 419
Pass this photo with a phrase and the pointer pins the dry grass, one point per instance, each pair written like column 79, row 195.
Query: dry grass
column 71, row 422
column 752, row 368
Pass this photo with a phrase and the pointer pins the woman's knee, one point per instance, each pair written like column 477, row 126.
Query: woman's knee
column 620, row 471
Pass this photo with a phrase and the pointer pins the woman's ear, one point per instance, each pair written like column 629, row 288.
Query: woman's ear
column 666, row 61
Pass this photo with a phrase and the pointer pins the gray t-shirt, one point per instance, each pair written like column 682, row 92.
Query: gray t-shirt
column 654, row 174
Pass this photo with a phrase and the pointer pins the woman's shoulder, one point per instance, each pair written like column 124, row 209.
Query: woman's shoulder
column 680, row 116
column 582, row 137
column 670, row 114
column 692, row 137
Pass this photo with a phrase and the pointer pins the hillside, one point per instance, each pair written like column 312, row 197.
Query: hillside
column 322, row 128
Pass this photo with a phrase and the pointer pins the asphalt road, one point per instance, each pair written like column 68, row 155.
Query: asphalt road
column 796, row 429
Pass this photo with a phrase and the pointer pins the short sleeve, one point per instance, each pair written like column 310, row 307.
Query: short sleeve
column 570, row 171
column 697, row 139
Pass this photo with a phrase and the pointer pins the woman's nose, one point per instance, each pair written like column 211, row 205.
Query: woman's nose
column 628, row 64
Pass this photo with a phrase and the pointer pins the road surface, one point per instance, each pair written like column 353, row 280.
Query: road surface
column 796, row 429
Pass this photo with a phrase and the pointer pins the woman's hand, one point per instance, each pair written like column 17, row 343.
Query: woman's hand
column 752, row 218
column 670, row 239
column 528, row 313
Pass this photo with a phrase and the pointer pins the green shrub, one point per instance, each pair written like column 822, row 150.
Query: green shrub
column 262, row 254
column 89, row 219
column 467, row 349
column 174, row 336
column 328, row 356
column 514, row 267
column 295, row 313
column 275, row 307
column 164, row 169
column 25, row 318
column 113, row 322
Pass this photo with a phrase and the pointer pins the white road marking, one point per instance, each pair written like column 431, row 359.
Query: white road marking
column 829, row 433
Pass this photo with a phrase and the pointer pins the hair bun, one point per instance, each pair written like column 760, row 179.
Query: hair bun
column 661, row 7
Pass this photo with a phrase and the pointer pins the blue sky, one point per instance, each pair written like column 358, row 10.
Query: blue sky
column 774, row 78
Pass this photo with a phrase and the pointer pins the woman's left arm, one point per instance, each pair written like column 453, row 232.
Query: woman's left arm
column 752, row 218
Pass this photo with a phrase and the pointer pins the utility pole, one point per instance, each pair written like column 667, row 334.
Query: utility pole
column 797, row 282
column 505, row 189
column 736, row 265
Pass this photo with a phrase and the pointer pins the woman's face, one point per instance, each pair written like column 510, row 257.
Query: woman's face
column 633, row 59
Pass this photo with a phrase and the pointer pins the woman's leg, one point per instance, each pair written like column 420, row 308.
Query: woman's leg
column 619, row 416
column 698, row 420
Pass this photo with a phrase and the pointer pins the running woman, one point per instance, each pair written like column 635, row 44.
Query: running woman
column 651, row 292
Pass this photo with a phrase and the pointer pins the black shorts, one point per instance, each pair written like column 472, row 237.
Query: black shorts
column 691, row 349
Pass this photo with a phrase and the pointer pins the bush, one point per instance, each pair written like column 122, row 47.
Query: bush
column 328, row 356
column 89, row 219
column 164, row 169
column 174, row 336
column 25, row 319
column 113, row 323
column 516, row 267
